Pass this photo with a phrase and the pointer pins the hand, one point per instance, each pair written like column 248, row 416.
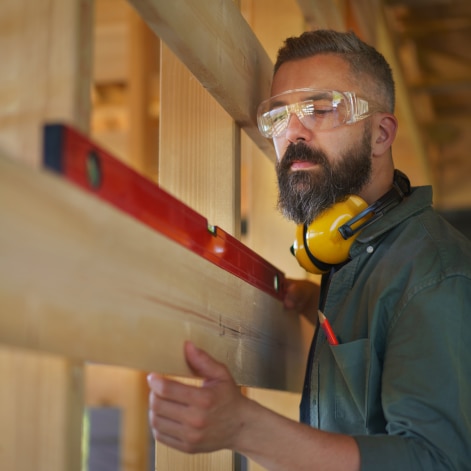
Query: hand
column 302, row 296
column 197, row 419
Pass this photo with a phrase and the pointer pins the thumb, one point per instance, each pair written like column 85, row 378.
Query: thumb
column 204, row 365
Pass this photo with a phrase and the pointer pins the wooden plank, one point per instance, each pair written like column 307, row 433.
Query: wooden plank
column 200, row 164
column 92, row 284
column 220, row 50
column 199, row 147
column 38, row 413
column 169, row 459
column 143, row 60
column 45, row 72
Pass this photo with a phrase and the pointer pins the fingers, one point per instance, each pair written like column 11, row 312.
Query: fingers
column 203, row 365
column 195, row 418
column 174, row 391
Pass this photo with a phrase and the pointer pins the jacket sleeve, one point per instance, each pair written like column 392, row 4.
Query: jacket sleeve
column 426, row 383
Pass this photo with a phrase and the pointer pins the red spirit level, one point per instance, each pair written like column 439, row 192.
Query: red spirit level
column 78, row 159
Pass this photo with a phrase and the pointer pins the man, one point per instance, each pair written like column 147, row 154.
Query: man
column 395, row 393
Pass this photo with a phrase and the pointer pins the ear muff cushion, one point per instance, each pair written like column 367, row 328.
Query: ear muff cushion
column 323, row 238
column 303, row 256
column 320, row 245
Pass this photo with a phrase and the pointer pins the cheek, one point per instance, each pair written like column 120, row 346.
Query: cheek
column 339, row 143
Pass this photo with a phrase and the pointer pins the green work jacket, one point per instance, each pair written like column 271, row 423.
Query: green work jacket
column 399, row 381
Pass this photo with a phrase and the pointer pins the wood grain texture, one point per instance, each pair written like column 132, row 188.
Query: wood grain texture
column 39, row 418
column 46, row 70
column 88, row 282
column 220, row 50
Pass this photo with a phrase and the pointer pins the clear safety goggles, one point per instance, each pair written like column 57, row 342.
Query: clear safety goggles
column 317, row 110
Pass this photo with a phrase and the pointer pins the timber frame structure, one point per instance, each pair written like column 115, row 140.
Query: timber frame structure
column 83, row 285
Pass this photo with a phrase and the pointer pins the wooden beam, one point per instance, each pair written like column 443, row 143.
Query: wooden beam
column 88, row 282
column 143, row 68
column 220, row 50
column 45, row 72
column 39, row 395
column 202, row 169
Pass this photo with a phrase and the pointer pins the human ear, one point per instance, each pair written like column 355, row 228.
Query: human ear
column 384, row 132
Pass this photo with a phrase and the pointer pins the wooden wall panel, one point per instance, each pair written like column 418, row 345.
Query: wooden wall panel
column 200, row 164
column 218, row 47
column 143, row 69
column 94, row 284
column 45, row 72
column 45, row 75
column 40, row 411
column 199, row 147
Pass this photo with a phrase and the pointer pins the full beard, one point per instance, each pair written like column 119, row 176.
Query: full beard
column 304, row 194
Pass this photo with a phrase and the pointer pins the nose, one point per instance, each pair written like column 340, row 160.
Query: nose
column 296, row 131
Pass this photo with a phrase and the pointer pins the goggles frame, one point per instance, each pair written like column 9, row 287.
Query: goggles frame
column 273, row 120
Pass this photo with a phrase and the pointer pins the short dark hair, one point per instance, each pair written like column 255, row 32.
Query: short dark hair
column 363, row 59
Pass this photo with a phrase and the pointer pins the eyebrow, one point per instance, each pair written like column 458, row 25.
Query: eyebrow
column 322, row 95
column 317, row 95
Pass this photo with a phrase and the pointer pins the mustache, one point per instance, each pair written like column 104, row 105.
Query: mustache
column 301, row 152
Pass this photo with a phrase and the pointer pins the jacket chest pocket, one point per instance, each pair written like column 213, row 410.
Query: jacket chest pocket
column 351, row 383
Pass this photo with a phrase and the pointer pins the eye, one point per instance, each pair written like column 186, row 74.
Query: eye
column 324, row 111
column 316, row 110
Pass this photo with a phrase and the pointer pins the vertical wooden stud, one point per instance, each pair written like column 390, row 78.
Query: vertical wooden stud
column 45, row 76
column 199, row 147
column 143, row 62
column 41, row 400
column 200, row 164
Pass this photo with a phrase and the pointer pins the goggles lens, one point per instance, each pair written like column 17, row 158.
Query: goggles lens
column 316, row 109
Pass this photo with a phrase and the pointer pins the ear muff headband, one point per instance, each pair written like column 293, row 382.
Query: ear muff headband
column 327, row 240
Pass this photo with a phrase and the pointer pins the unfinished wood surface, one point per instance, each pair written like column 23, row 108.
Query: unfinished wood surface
column 199, row 164
column 199, row 147
column 94, row 284
column 143, row 62
column 45, row 75
column 38, row 410
column 216, row 44
column 46, row 70
column 169, row 459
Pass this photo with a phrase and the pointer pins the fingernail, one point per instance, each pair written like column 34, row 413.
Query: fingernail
column 154, row 383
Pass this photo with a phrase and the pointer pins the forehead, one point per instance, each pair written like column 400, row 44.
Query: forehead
column 328, row 72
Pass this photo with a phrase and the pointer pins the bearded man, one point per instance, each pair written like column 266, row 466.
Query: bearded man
column 394, row 392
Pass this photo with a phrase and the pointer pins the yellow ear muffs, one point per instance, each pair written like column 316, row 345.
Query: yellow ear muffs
column 327, row 240
column 321, row 244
